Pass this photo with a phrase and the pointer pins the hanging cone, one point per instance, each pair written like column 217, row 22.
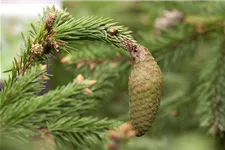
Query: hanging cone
column 145, row 88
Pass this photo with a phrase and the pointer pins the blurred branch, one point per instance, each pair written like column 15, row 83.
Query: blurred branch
column 174, row 45
column 210, row 93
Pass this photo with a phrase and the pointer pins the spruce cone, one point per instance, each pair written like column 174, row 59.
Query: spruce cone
column 145, row 86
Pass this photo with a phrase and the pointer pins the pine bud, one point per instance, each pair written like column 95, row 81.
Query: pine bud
column 92, row 65
column 79, row 65
column 169, row 19
column 80, row 78
column 113, row 146
column 145, row 86
column 43, row 67
column 50, row 21
column 174, row 15
column 113, row 31
column 92, row 82
column 37, row 50
column 45, row 141
column 163, row 23
column 125, row 128
column 200, row 28
column 114, row 135
column 65, row 60
column 174, row 113
column 131, row 134
column 88, row 91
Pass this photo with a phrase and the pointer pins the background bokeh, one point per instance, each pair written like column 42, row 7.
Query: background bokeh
column 177, row 126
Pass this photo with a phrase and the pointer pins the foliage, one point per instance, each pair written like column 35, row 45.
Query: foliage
column 61, row 111
column 191, row 55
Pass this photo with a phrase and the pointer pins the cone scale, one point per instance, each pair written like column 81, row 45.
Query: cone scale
column 145, row 88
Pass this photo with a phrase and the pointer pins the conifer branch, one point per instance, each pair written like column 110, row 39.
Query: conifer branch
column 57, row 110
column 95, row 55
column 20, row 111
column 211, row 93
column 80, row 132
column 28, row 85
column 57, row 30
column 174, row 45
column 203, row 10
column 218, row 101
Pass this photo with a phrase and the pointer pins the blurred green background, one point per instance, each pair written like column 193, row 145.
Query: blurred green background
column 177, row 126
